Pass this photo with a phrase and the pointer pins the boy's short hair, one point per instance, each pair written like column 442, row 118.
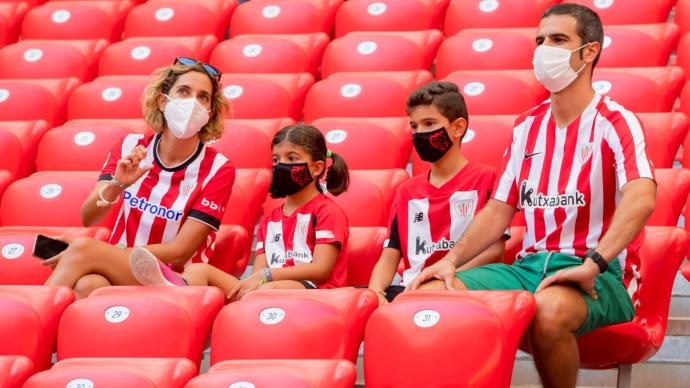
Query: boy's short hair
column 445, row 96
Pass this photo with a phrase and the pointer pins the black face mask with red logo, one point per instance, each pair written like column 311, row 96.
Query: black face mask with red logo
column 289, row 178
column 431, row 146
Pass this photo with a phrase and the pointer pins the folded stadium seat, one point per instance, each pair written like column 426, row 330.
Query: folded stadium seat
column 640, row 89
column 284, row 17
column 630, row 11
column 5, row 179
column 290, row 373
column 254, row 151
column 487, row 325
column 248, row 194
column 683, row 51
column 682, row 16
column 293, row 324
column 11, row 151
column 485, row 90
column 77, row 20
column 32, row 315
column 49, row 199
column 28, row 134
column 232, row 249
column 685, row 269
column 11, row 16
column 486, row 49
column 139, row 321
column 381, row 51
column 18, row 266
column 360, row 94
column 265, row 96
column 623, row 45
column 628, row 343
column 464, row 14
column 109, row 97
column 141, row 56
column 34, row 59
column 180, row 18
column 485, row 142
column 298, row 53
column 389, row 15
column 116, row 373
column 79, row 147
column 30, row 100
column 664, row 133
column 14, row 370
column 364, row 248
column 673, row 187
column 369, row 143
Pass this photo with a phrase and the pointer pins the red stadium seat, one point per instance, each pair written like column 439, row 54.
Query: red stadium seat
column 485, row 142
column 290, row 373
column 293, row 324
column 248, row 193
column 18, row 266
column 369, row 143
column 48, row 199
column 116, row 373
column 673, row 187
column 360, row 94
column 369, row 198
column 381, row 51
column 682, row 16
column 389, row 15
column 641, row 89
column 79, row 147
column 284, row 17
column 36, row 59
column 485, row 91
column 248, row 142
column 139, row 322
column 630, row 11
column 628, row 343
column 11, row 16
column 141, row 56
column 623, row 45
column 664, row 133
column 180, row 18
column 35, row 312
column 232, row 250
column 108, row 97
column 14, row 370
column 28, row 133
column 464, row 14
column 271, row 53
column 265, row 96
column 685, row 270
column 5, row 179
column 77, row 20
column 487, row 325
column 28, row 100
column 486, row 49
column 11, row 151
column 364, row 248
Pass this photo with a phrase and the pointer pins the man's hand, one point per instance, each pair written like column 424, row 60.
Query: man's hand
column 443, row 269
column 583, row 276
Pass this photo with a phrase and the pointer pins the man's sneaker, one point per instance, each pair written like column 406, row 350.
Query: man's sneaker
column 150, row 271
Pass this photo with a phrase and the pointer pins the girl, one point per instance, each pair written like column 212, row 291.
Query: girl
column 301, row 244
column 167, row 183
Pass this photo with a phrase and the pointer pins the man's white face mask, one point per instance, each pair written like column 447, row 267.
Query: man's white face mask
column 552, row 67
column 185, row 116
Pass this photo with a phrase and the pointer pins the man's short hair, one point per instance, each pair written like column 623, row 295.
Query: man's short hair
column 589, row 27
column 445, row 96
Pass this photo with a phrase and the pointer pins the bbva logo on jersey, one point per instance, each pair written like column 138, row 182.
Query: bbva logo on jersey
column 212, row 205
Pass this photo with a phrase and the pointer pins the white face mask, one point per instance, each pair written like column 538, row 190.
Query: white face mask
column 185, row 116
column 552, row 67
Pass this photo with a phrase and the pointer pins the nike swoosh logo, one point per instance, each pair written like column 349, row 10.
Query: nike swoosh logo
column 527, row 156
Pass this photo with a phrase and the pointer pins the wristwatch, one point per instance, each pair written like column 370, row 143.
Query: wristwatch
column 597, row 259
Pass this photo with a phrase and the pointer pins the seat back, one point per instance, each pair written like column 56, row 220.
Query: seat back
column 389, row 15
column 673, row 187
column 364, row 248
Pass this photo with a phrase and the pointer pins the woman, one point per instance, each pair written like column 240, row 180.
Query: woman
column 174, row 188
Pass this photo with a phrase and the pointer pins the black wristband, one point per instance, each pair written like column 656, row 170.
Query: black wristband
column 597, row 259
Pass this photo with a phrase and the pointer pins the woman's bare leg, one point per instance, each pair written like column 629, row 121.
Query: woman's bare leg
column 201, row 274
column 87, row 284
column 282, row 285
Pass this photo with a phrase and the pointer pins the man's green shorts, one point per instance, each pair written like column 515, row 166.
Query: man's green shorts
column 613, row 304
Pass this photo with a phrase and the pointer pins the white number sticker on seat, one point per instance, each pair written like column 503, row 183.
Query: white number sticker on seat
column 474, row 88
column 271, row 315
column 60, row 16
column 50, row 190
column 116, row 314
column 488, row 5
column 80, row 383
column 377, row 9
column 242, row 384
column 426, row 318
column 350, row 90
column 232, row 92
column 336, row 136
column 111, row 94
column 12, row 251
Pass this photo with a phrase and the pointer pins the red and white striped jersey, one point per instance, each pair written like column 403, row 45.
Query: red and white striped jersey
column 427, row 221
column 568, row 181
column 288, row 241
column 155, row 207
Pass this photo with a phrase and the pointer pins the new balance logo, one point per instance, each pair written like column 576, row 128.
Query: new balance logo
column 528, row 199
column 276, row 238
column 418, row 217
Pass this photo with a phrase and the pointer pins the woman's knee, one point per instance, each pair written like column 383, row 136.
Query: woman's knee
column 88, row 283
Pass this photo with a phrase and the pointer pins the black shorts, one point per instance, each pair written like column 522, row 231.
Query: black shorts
column 309, row 285
column 393, row 291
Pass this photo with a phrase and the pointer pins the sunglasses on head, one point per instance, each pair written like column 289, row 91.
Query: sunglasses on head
column 212, row 71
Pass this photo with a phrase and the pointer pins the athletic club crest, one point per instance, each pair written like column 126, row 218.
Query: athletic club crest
column 463, row 207
column 302, row 229
column 187, row 189
column 585, row 152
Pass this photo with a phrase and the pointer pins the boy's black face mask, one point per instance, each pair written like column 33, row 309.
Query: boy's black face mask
column 431, row 146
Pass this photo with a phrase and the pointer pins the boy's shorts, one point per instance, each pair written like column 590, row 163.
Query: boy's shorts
column 613, row 304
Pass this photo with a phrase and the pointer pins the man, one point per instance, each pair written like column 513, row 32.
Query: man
column 578, row 170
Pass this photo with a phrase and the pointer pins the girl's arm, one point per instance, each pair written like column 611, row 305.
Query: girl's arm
column 318, row 271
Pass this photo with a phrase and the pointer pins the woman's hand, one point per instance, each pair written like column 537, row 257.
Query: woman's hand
column 53, row 261
column 128, row 170
column 247, row 285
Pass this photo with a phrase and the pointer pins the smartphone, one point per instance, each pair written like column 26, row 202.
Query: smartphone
column 46, row 247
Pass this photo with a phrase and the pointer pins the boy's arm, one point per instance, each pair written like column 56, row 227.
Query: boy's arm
column 384, row 271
